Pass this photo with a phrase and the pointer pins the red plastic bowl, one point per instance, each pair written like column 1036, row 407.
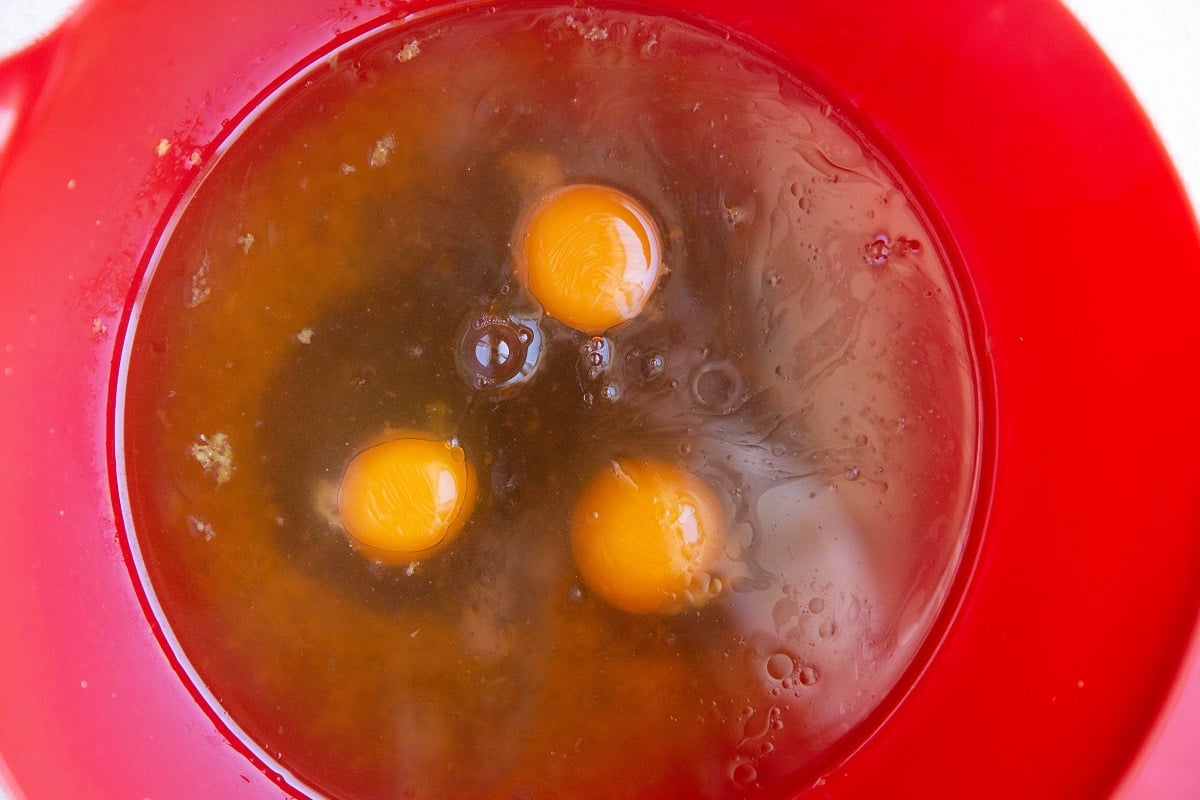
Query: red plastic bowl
column 1082, row 255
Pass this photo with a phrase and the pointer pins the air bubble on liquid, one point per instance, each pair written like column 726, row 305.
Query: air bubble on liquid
column 595, row 356
column 809, row 676
column 491, row 351
column 816, row 605
column 598, row 345
column 610, row 392
column 653, row 365
column 877, row 252
column 780, row 666
column 718, row 386
column 861, row 440
column 743, row 773
column 496, row 351
column 881, row 249
column 827, row 630
column 852, row 474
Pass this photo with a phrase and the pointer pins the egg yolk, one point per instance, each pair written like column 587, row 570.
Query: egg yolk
column 405, row 499
column 646, row 536
column 590, row 254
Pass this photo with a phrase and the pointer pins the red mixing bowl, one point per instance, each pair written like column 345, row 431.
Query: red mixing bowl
column 1075, row 611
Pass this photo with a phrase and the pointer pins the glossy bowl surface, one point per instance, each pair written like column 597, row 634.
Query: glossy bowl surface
column 1079, row 247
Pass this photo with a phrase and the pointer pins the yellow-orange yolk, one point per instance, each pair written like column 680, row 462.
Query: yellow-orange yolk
column 405, row 499
column 646, row 536
column 590, row 254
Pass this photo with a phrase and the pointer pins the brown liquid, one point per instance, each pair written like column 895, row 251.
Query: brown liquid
column 804, row 355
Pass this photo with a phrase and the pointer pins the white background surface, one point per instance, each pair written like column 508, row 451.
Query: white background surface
column 24, row 20
column 1156, row 45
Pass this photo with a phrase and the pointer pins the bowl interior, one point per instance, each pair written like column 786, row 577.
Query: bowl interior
column 1080, row 251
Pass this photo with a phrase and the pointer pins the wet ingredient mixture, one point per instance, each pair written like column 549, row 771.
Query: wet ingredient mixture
column 545, row 403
